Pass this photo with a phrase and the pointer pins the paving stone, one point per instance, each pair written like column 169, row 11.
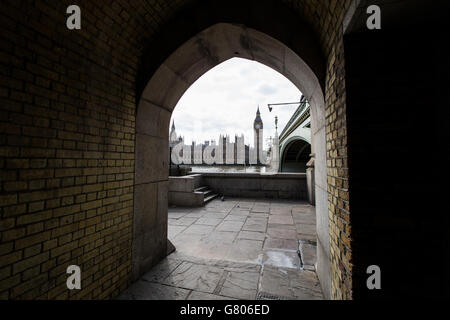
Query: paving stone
column 296, row 284
column 309, row 237
column 259, row 215
column 239, row 212
column 237, row 266
column 261, row 209
column 230, row 225
column 275, row 243
column 246, row 251
column 184, row 221
column 241, row 285
column 281, row 211
column 161, row 270
column 308, row 209
column 215, row 215
column 220, row 237
column 281, row 219
column 249, row 243
column 282, row 226
column 221, row 241
column 143, row 290
column 195, row 276
column 213, row 250
column 235, row 217
column 245, row 205
column 252, row 235
column 197, row 295
column 306, row 229
column 187, row 243
column 255, row 224
column 182, row 256
column 281, row 258
column 176, row 215
column 198, row 229
column 196, row 214
column 308, row 253
column 209, row 221
column 218, row 210
column 305, row 219
column 282, row 233
column 173, row 231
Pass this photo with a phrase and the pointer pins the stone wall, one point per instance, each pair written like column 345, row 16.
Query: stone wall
column 182, row 191
column 256, row 185
column 67, row 149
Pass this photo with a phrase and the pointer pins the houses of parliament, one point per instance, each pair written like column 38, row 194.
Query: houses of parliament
column 224, row 152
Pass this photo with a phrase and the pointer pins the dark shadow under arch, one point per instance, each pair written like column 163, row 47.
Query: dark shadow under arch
column 197, row 16
column 295, row 156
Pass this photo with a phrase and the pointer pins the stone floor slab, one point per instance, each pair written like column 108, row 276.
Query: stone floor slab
column 282, row 233
column 281, row 219
column 255, row 224
column 197, row 295
column 234, row 217
column 173, row 231
column 220, row 254
column 208, row 221
column 161, row 270
column 306, row 229
column 184, row 221
column 220, row 237
column 230, row 225
column 282, row 259
column 194, row 276
column 252, row 235
column 290, row 283
column 177, row 214
column 198, row 229
column 280, row 211
column 143, row 290
column 308, row 253
column 241, row 285
column 276, row 243
column 215, row 215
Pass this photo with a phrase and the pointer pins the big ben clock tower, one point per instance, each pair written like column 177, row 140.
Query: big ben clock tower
column 258, row 135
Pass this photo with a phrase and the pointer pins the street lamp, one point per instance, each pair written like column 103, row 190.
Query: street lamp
column 284, row 103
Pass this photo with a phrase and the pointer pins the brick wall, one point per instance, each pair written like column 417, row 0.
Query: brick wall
column 327, row 17
column 67, row 133
column 68, row 101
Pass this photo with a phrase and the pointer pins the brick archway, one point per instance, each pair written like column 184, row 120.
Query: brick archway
column 196, row 56
column 69, row 118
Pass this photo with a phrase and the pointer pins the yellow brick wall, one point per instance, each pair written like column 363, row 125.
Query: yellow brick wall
column 67, row 106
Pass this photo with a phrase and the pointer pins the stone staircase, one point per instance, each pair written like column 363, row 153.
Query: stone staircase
column 208, row 194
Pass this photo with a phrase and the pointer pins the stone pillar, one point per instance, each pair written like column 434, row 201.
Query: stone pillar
column 310, row 185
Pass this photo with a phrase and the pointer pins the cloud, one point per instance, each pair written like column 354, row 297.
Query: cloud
column 267, row 90
column 224, row 101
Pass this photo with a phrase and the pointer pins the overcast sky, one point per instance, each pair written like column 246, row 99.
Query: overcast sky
column 224, row 100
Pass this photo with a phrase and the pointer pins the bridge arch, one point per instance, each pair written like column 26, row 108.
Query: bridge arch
column 294, row 154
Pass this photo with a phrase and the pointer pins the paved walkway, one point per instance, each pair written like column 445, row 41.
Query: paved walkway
column 236, row 249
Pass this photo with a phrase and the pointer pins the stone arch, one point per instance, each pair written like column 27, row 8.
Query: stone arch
column 299, row 60
column 289, row 140
column 289, row 144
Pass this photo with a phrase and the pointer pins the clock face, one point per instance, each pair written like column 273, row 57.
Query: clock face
column 257, row 126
